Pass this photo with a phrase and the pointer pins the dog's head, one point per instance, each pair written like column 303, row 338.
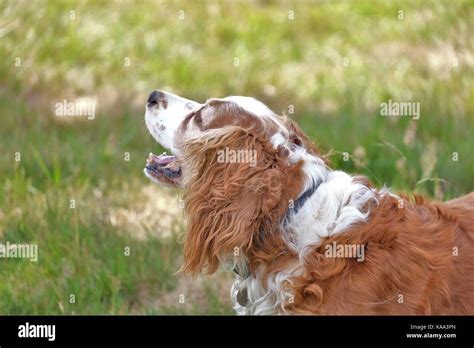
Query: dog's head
column 241, row 167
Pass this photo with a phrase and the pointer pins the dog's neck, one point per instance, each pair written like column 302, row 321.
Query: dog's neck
column 334, row 202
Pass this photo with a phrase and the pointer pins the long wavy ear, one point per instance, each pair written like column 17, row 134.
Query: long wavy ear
column 226, row 203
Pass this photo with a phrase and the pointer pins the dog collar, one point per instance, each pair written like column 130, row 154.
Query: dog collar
column 298, row 204
column 242, row 295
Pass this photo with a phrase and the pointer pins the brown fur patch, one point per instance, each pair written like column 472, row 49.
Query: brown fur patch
column 409, row 267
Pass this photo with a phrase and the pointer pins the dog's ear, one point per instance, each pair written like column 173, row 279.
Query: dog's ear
column 227, row 202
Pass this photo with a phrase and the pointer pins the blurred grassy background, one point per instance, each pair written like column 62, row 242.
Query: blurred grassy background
column 333, row 62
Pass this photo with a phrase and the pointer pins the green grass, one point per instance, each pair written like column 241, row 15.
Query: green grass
column 284, row 62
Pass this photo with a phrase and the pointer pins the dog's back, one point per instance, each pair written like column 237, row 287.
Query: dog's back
column 418, row 260
column 462, row 279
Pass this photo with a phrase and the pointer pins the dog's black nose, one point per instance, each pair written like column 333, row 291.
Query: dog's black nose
column 158, row 98
column 154, row 97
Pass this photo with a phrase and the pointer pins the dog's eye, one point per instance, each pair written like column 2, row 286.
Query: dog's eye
column 198, row 118
column 296, row 140
column 195, row 116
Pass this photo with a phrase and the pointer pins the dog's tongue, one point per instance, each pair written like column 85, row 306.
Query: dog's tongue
column 161, row 160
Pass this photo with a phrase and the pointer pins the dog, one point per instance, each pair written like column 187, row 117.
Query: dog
column 302, row 238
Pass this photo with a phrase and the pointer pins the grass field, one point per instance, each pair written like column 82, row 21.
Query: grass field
column 75, row 187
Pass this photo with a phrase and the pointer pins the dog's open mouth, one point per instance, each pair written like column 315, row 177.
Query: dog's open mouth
column 164, row 168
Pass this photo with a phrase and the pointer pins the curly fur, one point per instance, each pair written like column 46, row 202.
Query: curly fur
column 418, row 254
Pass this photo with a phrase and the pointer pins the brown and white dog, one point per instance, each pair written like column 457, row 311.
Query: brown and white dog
column 304, row 238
